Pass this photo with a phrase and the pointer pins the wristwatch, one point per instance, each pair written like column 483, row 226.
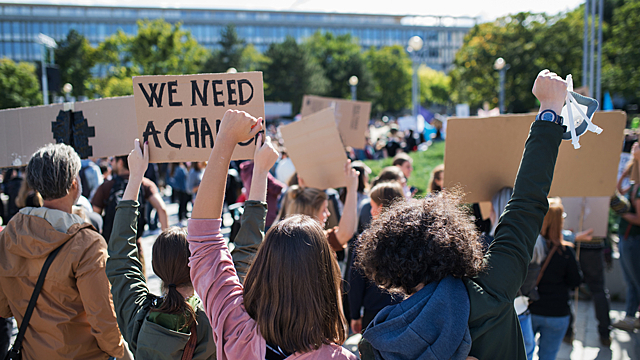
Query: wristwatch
column 550, row 115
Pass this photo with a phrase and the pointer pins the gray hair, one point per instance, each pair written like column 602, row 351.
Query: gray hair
column 52, row 170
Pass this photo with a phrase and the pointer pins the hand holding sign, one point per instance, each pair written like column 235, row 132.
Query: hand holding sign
column 265, row 156
column 239, row 126
column 352, row 177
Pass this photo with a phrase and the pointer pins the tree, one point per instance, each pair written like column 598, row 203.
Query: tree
column 529, row 43
column 622, row 75
column 435, row 87
column 230, row 53
column 76, row 58
column 391, row 70
column 18, row 85
column 252, row 59
column 292, row 72
column 341, row 57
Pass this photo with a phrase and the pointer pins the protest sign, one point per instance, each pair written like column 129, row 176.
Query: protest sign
column 352, row 117
column 96, row 128
column 179, row 114
column 314, row 146
column 482, row 155
column 584, row 213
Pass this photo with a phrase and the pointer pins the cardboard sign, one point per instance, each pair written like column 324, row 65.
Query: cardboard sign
column 314, row 146
column 594, row 212
column 179, row 114
column 352, row 117
column 483, row 155
column 96, row 128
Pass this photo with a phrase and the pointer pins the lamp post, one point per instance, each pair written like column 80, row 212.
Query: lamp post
column 415, row 44
column 353, row 81
column 66, row 89
column 231, row 70
column 502, row 68
column 46, row 42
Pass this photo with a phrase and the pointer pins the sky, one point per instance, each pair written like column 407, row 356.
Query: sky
column 486, row 10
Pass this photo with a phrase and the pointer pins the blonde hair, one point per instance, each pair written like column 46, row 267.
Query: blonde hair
column 553, row 224
column 438, row 170
column 304, row 201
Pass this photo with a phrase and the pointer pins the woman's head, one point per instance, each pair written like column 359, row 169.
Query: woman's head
column 292, row 289
column 383, row 195
column 436, row 179
column 553, row 223
column 308, row 201
column 390, row 173
column 418, row 242
column 170, row 261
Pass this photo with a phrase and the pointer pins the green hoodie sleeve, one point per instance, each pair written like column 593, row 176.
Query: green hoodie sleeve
column 124, row 270
column 519, row 226
column 249, row 236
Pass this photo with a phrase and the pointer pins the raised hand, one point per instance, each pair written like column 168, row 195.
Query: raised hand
column 265, row 156
column 352, row 177
column 138, row 160
column 239, row 126
column 551, row 91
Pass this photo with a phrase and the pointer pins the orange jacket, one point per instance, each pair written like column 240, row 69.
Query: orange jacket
column 74, row 316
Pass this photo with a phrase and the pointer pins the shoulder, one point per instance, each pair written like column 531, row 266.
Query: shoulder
column 102, row 192
column 149, row 187
column 331, row 351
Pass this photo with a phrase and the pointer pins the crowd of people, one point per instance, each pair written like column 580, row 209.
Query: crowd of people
column 416, row 276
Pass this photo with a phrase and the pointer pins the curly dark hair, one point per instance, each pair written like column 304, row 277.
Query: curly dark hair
column 420, row 241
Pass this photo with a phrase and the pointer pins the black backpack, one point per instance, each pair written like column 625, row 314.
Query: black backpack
column 115, row 195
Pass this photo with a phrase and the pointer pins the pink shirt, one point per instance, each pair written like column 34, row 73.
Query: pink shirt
column 214, row 278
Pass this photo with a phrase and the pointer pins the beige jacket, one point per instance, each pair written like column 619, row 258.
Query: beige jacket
column 74, row 316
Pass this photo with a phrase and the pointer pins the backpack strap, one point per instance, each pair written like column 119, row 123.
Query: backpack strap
column 546, row 263
column 190, row 348
column 16, row 349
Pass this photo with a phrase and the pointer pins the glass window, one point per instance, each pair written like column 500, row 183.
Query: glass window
column 45, row 11
column 149, row 14
column 17, row 10
column 102, row 32
column 15, row 29
column 171, row 14
column 8, row 52
column 71, row 12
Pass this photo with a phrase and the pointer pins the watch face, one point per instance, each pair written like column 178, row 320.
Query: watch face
column 547, row 116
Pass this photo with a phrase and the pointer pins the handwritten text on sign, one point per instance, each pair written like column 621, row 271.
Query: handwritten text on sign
column 179, row 115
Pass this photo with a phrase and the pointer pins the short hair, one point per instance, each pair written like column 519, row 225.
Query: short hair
column 420, row 241
column 292, row 289
column 52, row 169
column 124, row 159
column 401, row 158
column 384, row 194
column 304, row 201
column 390, row 173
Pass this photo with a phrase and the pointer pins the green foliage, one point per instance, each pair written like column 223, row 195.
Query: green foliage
column 18, row 85
column 529, row 43
column 435, row 86
column 341, row 57
column 252, row 59
column 423, row 164
column 230, row 55
column 391, row 70
column 622, row 75
column 75, row 57
column 291, row 73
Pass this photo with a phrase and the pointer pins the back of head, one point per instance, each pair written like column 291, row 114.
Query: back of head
column 384, row 194
column 304, row 201
column 401, row 158
column 390, row 173
column 292, row 289
column 170, row 261
column 554, row 222
column 420, row 241
column 52, row 170
column 436, row 173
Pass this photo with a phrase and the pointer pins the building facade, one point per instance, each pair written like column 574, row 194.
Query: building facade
column 20, row 25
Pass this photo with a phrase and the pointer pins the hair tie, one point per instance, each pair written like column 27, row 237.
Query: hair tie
column 171, row 286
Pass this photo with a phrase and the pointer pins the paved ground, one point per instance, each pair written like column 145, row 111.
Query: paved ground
column 586, row 345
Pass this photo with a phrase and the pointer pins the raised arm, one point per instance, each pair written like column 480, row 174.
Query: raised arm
column 348, row 224
column 520, row 224
column 252, row 225
column 124, row 270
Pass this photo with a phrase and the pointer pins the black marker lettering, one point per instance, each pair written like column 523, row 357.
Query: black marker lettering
column 216, row 102
column 173, row 90
column 202, row 95
column 157, row 97
column 189, row 133
column 244, row 101
column 166, row 134
column 151, row 130
column 205, row 130
column 231, row 91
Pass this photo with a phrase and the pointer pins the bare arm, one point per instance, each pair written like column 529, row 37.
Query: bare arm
column 264, row 158
column 237, row 126
column 349, row 221
column 156, row 201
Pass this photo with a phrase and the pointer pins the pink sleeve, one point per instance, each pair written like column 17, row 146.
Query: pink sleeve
column 215, row 280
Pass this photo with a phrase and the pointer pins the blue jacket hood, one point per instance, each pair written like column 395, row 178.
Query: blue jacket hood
column 431, row 324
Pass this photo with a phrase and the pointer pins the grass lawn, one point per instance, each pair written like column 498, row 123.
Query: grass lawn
column 423, row 163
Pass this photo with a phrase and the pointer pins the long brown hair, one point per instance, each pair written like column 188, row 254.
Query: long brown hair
column 553, row 223
column 437, row 172
column 292, row 289
column 304, row 201
column 170, row 261
column 389, row 173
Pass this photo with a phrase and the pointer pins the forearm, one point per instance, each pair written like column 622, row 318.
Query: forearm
column 633, row 219
column 163, row 218
column 258, row 190
column 348, row 224
column 133, row 188
column 210, row 197
column 249, row 236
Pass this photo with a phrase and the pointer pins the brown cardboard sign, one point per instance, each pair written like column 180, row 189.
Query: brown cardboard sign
column 352, row 117
column 314, row 146
column 179, row 114
column 482, row 155
column 584, row 213
column 96, row 128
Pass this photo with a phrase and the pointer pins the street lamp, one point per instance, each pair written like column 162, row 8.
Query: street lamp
column 502, row 68
column 66, row 89
column 353, row 81
column 231, row 70
column 415, row 44
column 46, row 42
